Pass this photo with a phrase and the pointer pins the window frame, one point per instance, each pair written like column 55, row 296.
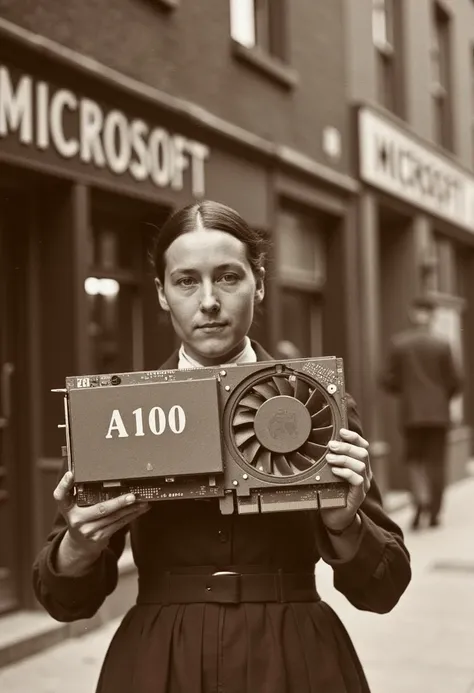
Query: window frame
column 384, row 8
column 268, row 52
column 389, row 56
column 441, row 76
column 269, row 27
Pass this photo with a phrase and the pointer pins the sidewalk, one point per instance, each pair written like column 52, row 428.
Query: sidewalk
column 425, row 645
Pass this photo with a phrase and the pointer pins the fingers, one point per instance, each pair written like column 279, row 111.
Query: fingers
column 349, row 459
column 355, row 447
column 350, row 440
column 357, row 440
column 340, row 461
column 354, row 438
column 358, row 453
column 64, row 492
column 349, row 475
column 100, row 530
column 64, row 496
column 106, row 508
column 110, row 529
column 128, row 514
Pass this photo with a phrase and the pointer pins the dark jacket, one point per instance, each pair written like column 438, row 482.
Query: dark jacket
column 174, row 647
column 421, row 370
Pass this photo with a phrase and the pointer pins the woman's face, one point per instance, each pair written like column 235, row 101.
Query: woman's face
column 210, row 291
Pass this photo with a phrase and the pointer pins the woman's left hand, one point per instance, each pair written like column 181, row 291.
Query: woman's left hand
column 349, row 460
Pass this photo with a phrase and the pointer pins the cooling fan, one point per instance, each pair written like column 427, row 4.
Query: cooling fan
column 281, row 425
column 277, row 426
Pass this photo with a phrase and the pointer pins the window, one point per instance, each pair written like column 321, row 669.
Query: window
column 441, row 72
column 385, row 32
column 259, row 23
column 242, row 22
column 382, row 23
column 301, row 277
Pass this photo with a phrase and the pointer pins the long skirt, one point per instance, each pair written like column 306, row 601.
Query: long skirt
column 243, row 648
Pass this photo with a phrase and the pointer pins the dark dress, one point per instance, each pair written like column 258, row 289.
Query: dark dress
column 299, row 647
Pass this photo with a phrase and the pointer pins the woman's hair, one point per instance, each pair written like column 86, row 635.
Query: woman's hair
column 208, row 215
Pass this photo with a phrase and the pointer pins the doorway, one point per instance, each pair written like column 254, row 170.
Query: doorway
column 9, row 538
column 397, row 287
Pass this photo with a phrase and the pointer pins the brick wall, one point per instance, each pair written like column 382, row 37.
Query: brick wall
column 187, row 53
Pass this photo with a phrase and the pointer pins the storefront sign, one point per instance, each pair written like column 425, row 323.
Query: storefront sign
column 394, row 161
column 37, row 118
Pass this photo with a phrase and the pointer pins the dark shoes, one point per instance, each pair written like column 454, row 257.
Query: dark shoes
column 415, row 523
column 418, row 517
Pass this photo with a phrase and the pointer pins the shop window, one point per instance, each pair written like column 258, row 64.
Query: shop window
column 441, row 76
column 385, row 35
column 259, row 23
column 301, row 277
column 113, row 294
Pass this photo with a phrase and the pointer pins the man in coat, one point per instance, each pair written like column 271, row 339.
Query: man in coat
column 421, row 371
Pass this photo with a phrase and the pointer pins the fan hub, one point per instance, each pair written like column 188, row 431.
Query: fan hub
column 282, row 424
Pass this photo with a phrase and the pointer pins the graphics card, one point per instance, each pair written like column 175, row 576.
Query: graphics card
column 254, row 436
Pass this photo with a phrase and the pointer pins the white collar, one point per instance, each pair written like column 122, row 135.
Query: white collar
column 247, row 355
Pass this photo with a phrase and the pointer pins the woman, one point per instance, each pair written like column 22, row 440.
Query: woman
column 192, row 631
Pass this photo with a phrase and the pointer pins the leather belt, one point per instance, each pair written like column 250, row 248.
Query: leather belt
column 227, row 587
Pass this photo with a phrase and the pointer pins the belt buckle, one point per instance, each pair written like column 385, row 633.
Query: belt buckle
column 225, row 586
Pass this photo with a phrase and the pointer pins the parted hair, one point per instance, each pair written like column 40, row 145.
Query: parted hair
column 208, row 215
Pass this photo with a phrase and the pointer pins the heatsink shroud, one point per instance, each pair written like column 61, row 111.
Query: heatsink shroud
column 253, row 436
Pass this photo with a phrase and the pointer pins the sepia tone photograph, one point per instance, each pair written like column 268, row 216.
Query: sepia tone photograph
column 236, row 338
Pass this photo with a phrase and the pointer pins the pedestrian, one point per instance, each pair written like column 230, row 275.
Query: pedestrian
column 262, row 628
column 422, row 372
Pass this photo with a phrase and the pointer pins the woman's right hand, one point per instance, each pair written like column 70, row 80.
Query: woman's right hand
column 90, row 528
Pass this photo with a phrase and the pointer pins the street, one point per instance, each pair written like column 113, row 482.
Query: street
column 425, row 645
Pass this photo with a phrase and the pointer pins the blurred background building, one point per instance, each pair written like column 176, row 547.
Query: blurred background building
column 410, row 76
column 342, row 129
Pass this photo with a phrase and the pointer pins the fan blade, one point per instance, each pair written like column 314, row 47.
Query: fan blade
column 315, row 402
column 313, row 450
column 266, row 390
column 242, row 417
column 322, row 417
column 281, row 466
column 321, row 435
column 264, row 462
column 301, row 390
column 243, row 435
column 283, row 386
column 251, row 402
column 301, row 463
column 250, row 451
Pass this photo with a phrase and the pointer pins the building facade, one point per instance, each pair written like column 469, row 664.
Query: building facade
column 109, row 121
column 341, row 129
column 411, row 88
